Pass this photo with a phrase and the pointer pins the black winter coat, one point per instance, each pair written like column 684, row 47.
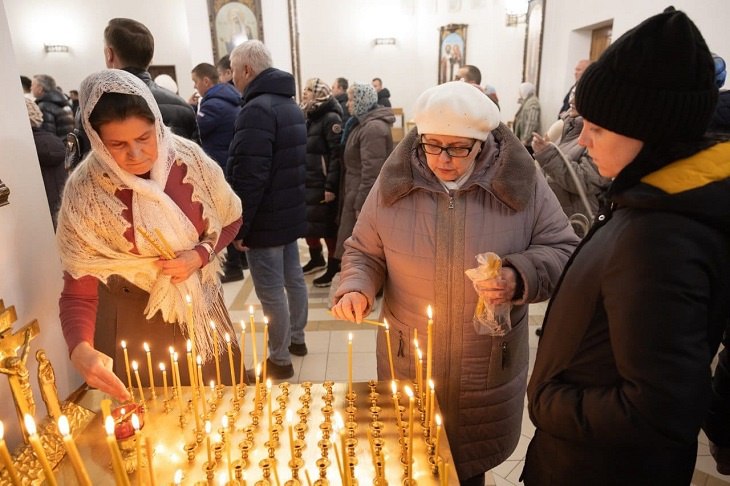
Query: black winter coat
column 342, row 100
column 51, row 154
column 720, row 122
column 324, row 162
column 216, row 119
column 621, row 382
column 266, row 162
column 58, row 117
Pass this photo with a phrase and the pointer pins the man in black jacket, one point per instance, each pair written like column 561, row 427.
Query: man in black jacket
column 57, row 114
column 267, row 168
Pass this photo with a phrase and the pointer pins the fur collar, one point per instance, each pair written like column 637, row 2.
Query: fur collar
column 504, row 168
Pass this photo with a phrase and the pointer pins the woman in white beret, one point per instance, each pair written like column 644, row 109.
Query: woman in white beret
column 458, row 185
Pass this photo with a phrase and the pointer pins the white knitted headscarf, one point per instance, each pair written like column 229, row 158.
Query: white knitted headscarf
column 91, row 224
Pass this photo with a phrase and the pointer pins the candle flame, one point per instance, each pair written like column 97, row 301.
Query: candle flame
column 393, row 387
column 415, row 342
column 207, row 426
column 190, row 345
column 212, row 384
column 258, row 369
column 339, row 423
column 162, row 366
column 250, row 309
column 387, row 326
column 178, row 476
column 243, row 325
column 438, row 419
column 189, row 299
column 212, row 325
column 266, row 321
column 227, row 338
column 63, row 426
column 268, row 383
column 420, row 354
column 222, row 478
column 124, row 344
column 171, row 349
column 409, row 392
column 430, row 384
column 199, row 360
column 146, row 347
column 349, row 337
column 134, row 365
column 174, row 356
column 29, row 424
column 109, row 425
column 135, row 422
column 289, row 417
column 429, row 312
column 224, row 421
column 2, row 430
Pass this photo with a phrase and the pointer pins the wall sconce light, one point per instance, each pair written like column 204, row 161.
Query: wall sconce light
column 513, row 20
column 55, row 48
column 384, row 41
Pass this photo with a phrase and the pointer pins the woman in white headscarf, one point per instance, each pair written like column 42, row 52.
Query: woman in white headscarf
column 527, row 118
column 141, row 222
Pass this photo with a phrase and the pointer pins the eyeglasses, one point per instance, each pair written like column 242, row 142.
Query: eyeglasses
column 454, row 152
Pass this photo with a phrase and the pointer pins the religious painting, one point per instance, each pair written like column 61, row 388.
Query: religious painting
column 452, row 51
column 232, row 22
column 533, row 42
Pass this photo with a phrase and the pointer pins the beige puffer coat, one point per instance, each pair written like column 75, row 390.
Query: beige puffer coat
column 417, row 239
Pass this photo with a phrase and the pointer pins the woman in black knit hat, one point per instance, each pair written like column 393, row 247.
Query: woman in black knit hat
column 622, row 379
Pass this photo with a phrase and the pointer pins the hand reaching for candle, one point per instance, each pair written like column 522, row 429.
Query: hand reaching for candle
column 182, row 266
column 500, row 289
column 96, row 368
column 351, row 307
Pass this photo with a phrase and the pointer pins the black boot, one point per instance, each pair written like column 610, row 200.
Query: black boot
column 316, row 261
column 333, row 266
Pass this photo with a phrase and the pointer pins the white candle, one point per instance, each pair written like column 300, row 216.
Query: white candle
column 35, row 443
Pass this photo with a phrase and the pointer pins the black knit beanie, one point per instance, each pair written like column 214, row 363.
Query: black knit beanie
column 655, row 83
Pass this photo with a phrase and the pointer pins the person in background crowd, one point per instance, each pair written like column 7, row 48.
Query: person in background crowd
column 57, row 115
column 267, row 169
column 218, row 108
column 339, row 91
column 622, row 379
column 527, row 118
column 459, row 185
column 140, row 180
column 720, row 123
column 470, row 74
column 26, row 83
column 225, row 73
column 368, row 141
column 580, row 67
column 51, row 154
column 324, row 160
column 383, row 93
column 73, row 96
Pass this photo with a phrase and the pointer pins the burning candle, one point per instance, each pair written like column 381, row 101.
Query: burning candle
column 215, row 353
column 120, row 474
column 396, row 403
column 73, row 453
column 429, row 346
column 415, row 358
column 253, row 340
column 411, row 401
column 257, row 372
column 191, row 368
column 207, row 442
column 172, row 368
column 390, row 351
column 201, row 387
column 438, row 434
column 264, row 358
column 290, row 426
column 35, row 443
column 268, row 407
column 419, row 370
column 135, row 367
column 349, row 365
column 178, row 477
column 150, row 469
column 137, row 447
column 6, row 459
column 431, row 405
column 224, row 424
column 230, row 363
column 126, row 366
column 190, row 323
column 242, row 377
column 150, row 371
column 164, row 380
column 176, row 373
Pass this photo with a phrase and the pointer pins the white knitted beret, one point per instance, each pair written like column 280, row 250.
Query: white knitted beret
column 456, row 108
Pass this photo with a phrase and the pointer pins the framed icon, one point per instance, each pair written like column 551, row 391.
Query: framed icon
column 452, row 51
column 233, row 22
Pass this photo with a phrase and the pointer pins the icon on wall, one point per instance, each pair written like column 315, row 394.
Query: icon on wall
column 533, row 42
column 452, row 51
column 233, row 22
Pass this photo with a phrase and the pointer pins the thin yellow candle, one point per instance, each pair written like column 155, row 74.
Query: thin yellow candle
column 172, row 368
column 396, row 404
column 438, row 434
column 126, row 366
column 176, row 373
column 137, row 447
column 191, row 368
column 193, row 390
column 343, row 444
column 216, row 353
column 429, row 346
column 164, row 380
column 257, row 372
column 419, row 370
column 178, row 477
column 349, row 365
column 268, row 407
column 150, row 371
column 207, row 442
column 290, row 427
column 242, row 376
column 390, row 350
column 150, row 469
column 227, row 338
column 135, row 367
column 6, row 459
column 190, row 323
column 445, row 474
column 120, row 474
column 201, row 388
column 265, row 356
column 253, row 338
column 224, row 423
column 431, row 405
column 73, row 453
column 35, row 443
column 411, row 401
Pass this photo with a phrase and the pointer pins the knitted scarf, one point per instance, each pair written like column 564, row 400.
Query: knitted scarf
column 91, row 224
column 320, row 94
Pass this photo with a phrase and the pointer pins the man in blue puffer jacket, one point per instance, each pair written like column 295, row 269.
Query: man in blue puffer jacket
column 266, row 167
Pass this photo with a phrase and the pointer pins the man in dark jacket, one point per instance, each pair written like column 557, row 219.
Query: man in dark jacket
column 266, row 167
column 383, row 93
column 218, row 108
column 57, row 115
column 339, row 91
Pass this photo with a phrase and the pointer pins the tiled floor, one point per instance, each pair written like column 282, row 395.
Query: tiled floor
column 327, row 360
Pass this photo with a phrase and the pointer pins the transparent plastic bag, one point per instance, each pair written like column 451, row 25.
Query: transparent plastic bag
column 489, row 319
